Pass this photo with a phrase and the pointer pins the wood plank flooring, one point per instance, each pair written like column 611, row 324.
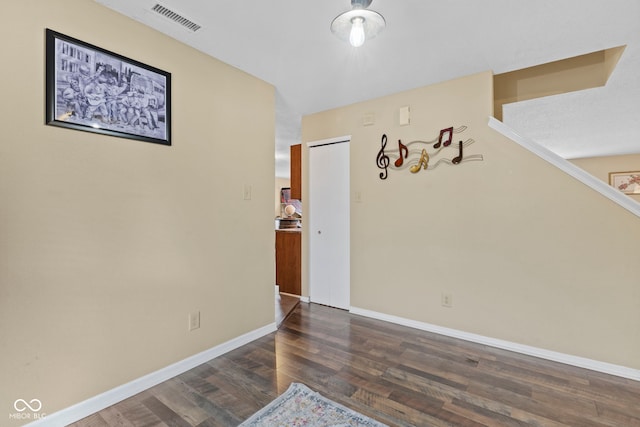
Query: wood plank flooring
column 284, row 305
column 397, row 375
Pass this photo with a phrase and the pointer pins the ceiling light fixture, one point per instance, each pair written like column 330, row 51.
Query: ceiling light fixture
column 358, row 24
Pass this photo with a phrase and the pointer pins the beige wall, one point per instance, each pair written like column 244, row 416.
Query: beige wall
column 106, row 244
column 565, row 75
column 529, row 254
column 600, row 167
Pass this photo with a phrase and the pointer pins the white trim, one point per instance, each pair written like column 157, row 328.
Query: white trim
column 305, row 299
column 346, row 138
column 97, row 403
column 578, row 173
column 581, row 362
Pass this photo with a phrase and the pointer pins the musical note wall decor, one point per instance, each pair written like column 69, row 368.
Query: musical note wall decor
column 420, row 155
column 449, row 133
column 383, row 160
column 401, row 148
column 456, row 160
column 422, row 163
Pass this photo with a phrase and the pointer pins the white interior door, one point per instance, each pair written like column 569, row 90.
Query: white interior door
column 329, row 257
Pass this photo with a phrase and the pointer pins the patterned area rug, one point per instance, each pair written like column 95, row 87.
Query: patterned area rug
column 301, row 406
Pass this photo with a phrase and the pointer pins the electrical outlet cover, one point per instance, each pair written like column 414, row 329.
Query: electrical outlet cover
column 194, row 320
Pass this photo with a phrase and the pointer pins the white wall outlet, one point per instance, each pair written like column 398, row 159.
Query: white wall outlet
column 194, row 320
column 447, row 300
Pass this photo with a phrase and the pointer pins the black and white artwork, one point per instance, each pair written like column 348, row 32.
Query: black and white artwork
column 94, row 90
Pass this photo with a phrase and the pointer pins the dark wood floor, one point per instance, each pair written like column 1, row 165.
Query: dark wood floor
column 284, row 305
column 398, row 375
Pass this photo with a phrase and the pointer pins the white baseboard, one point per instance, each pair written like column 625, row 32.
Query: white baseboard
column 581, row 362
column 97, row 403
column 305, row 299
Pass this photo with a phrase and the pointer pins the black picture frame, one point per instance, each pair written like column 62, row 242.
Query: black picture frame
column 94, row 90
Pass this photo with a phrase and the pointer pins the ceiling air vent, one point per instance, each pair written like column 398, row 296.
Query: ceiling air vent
column 176, row 17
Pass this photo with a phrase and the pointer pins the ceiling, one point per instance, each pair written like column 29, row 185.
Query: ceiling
column 288, row 44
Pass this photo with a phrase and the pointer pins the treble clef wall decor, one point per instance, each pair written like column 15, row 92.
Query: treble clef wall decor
column 383, row 160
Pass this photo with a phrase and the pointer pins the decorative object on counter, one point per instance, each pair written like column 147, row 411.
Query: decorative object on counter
column 423, row 157
column 94, row 90
column 627, row 182
column 289, row 210
column 286, row 200
column 288, row 223
column 290, row 220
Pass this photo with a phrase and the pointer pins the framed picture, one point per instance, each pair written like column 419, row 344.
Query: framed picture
column 627, row 182
column 94, row 90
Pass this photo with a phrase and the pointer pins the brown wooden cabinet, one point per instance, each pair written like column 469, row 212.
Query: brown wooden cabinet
column 288, row 261
column 295, row 153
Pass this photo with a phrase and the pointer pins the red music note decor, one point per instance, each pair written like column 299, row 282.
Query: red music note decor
column 401, row 148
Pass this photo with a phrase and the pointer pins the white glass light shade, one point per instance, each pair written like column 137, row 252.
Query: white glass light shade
column 372, row 24
column 357, row 37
